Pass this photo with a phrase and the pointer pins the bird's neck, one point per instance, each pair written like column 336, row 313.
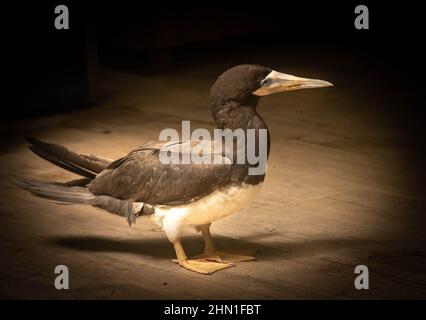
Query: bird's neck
column 236, row 115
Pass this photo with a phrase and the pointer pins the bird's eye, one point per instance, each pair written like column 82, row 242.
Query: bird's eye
column 265, row 82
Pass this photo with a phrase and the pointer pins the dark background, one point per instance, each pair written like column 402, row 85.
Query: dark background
column 47, row 68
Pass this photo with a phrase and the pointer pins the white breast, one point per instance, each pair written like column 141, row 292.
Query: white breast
column 216, row 205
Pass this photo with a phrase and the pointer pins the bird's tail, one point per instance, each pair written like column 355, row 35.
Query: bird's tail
column 75, row 192
column 56, row 191
column 86, row 166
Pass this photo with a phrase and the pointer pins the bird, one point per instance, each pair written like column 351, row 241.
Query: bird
column 176, row 196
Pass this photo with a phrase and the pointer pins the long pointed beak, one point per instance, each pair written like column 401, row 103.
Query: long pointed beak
column 280, row 82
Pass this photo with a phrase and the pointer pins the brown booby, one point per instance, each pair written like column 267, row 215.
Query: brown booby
column 177, row 195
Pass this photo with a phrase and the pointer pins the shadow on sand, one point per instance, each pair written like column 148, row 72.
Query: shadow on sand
column 162, row 248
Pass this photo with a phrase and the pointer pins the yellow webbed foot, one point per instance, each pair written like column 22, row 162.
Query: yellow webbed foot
column 204, row 266
column 226, row 256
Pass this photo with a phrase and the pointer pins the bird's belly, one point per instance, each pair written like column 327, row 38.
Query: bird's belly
column 218, row 204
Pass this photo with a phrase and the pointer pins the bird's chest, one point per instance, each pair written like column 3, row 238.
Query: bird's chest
column 218, row 204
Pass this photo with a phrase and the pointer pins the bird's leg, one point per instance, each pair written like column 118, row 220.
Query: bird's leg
column 200, row 266
column 211, row 254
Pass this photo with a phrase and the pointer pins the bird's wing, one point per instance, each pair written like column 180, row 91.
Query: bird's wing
column 143, row 176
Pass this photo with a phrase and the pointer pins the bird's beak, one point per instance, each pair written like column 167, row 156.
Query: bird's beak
column 280, row 82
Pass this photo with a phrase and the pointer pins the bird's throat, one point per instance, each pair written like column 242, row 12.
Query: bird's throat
column 233, row 115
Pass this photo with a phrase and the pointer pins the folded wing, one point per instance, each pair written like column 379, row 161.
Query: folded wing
column 144, row 176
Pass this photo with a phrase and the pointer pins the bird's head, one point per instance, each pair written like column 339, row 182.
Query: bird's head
column 248, row 82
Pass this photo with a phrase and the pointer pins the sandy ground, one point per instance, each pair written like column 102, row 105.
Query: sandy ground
column 337, row 194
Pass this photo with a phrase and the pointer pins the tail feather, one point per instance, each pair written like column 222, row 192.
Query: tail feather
column 64, row 165
column 72, row 193
column 56, row 191
column 86, row 166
